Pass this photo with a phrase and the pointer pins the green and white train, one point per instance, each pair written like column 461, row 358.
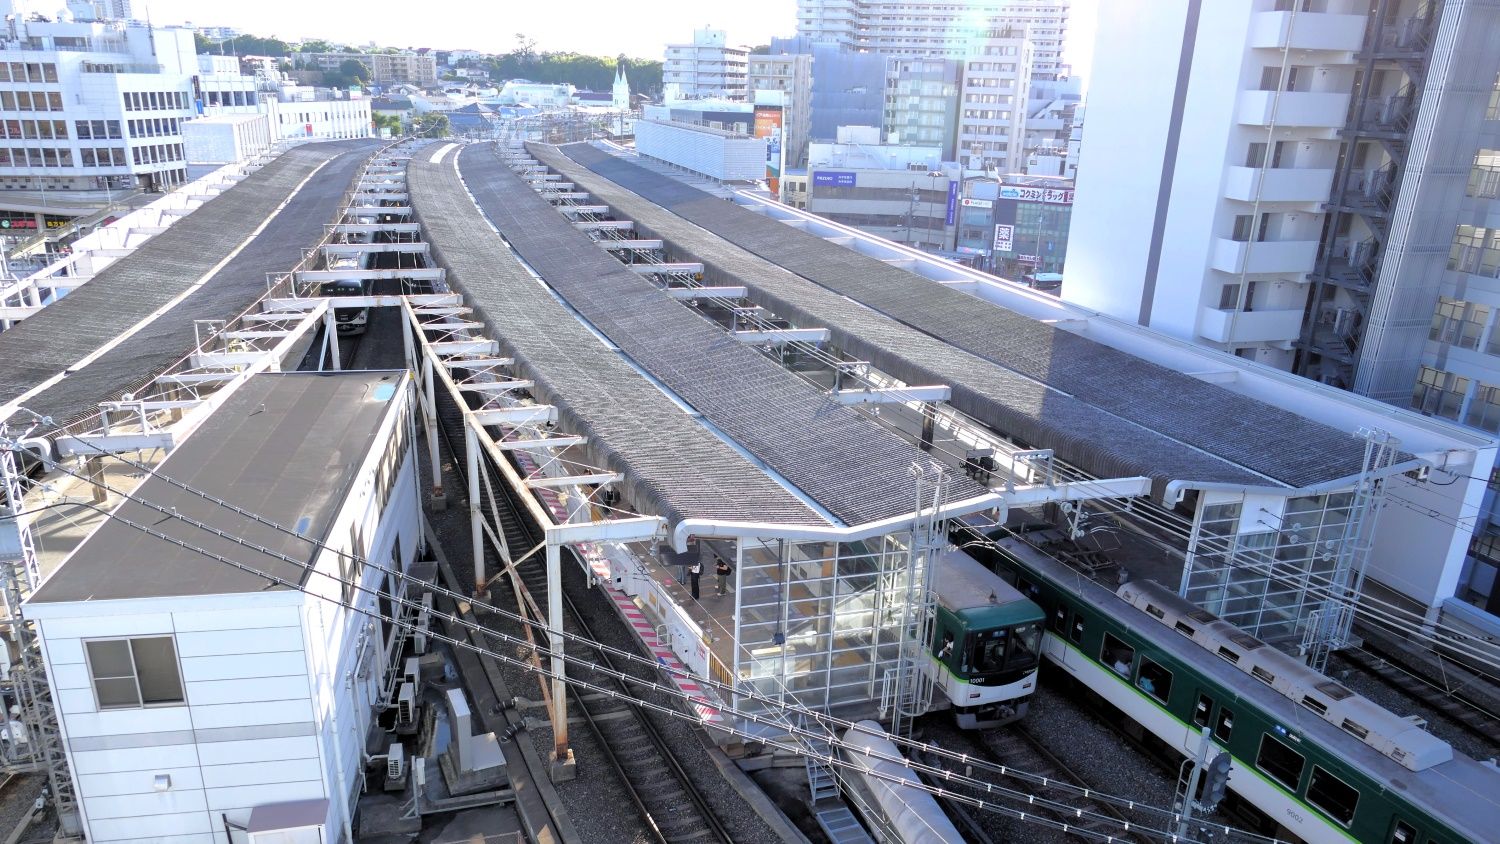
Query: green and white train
column 1318, row 761
column 986, row 643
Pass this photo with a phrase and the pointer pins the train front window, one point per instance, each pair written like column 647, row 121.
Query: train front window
column 1007, row 648
column 989, row 650
column 1025, row 646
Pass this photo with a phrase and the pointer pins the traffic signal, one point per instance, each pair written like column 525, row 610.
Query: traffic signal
column 1216, row 779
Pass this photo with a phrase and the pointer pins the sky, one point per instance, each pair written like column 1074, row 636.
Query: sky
column 639, row 29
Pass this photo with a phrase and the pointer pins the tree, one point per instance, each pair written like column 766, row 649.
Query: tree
column 355, row 69
column 316, row 45
column 388, row 121
column 250, row 45
column 433, row 124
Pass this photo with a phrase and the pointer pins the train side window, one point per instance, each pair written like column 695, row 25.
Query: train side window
column 1154, row 680
column 1204, row 708
column 1335, row 797
column 1060, row 619
column 1279, row 762
column 1224, row 727
column 1117, row 655
column 1403, row 833
column 1027, row 588
column 1076, row 634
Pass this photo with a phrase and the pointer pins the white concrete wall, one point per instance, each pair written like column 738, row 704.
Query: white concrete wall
column 1196, row 214
column 711, row 153
column 1119, row 169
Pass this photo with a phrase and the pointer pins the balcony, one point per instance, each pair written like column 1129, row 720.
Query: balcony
column 1277, row 184
column 1310, row 31
column 1289, row 257
column 1297, row 108
column 1249, row 326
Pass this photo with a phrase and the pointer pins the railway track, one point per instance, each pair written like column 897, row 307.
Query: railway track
column 664, row 794
column 1015, row 747
column 1427, row 696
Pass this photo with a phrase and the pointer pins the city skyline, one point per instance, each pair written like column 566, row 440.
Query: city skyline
column 490, row 30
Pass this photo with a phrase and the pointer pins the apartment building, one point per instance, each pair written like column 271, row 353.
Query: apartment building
column 993, row 101
column 936, row 28
column 1324, row 204
column 403, row 68
column 707, row 67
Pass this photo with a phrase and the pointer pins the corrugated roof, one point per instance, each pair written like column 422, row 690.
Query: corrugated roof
column 856, row 469
column 1176, row 427
column 670, row 461
column 166, row 266
column 284, row 446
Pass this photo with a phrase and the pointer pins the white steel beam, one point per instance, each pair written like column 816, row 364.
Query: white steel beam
column 478, row 363
column 574, row 480
column 894, row 395
column 600, row 225
column 784, row 335
column 622, row 245
column 565, row 194
column 496, row 386
column 1027, row 496
column 93, row 444
column 529, row 414
column 465, row 347
column 364, row 248
column 730, row 292
column 375, row 228
column 417, row 274
column 545, row 442
column 635, row 529
column 584, row 209
column 685, row 267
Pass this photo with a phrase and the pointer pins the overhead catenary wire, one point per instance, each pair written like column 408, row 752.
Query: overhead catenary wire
column 990, row 789
column 400, row 601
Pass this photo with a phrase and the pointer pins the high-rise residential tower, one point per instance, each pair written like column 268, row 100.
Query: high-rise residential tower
column 1316, row 186
column 936, row 28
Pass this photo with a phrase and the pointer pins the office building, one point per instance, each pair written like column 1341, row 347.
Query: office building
column 1016, row 227
column 707, row 67
column 1325, row 204
column 93, row 106
column 904, row 193
column 922, row 103
column 791, row 74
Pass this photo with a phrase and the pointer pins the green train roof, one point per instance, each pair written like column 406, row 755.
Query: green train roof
column 977, row 595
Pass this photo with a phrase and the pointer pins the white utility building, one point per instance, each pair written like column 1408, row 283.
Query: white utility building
column 193, row 694
column 719, row 154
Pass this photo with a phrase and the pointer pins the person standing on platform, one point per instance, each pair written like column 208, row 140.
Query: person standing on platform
column 694, row 572
column 721, row 571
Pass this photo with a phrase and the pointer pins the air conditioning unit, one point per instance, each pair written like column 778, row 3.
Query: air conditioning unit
column 412, row 672
column 424, row 624
column 406, row 706
column 395, row 762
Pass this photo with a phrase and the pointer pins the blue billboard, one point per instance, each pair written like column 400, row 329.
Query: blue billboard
column 833, row 179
